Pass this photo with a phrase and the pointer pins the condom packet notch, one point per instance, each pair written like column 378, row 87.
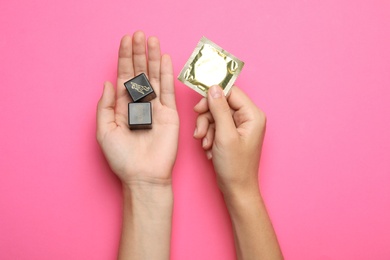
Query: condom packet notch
column 210, row 65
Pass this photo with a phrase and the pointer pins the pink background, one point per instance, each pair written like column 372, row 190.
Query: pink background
column 319, row 69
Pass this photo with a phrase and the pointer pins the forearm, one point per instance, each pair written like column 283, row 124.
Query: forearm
column 147, row 221
column 254, row 235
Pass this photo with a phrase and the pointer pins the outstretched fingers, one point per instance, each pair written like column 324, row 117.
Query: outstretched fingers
column 125, row 65
column 154, row 63
column 167, row 88
column 139, row 54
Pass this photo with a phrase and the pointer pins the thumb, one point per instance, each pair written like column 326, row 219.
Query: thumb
column 220, row 109
column 105, row 114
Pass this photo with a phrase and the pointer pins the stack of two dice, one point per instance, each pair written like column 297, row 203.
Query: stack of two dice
column 140, row 109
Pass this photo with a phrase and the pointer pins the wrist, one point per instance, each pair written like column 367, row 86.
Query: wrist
column 239, row 198
column 241, row 183
column 148, row 193
column 140, row 179
column 237, row 178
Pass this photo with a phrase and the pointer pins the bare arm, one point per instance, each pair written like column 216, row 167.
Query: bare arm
column 232, row 131
column 147, row 218
column 253, row 232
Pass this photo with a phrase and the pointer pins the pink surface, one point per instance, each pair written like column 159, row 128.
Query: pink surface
column 319, row 69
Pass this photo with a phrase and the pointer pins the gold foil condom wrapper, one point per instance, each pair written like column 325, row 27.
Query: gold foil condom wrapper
column 210, row 65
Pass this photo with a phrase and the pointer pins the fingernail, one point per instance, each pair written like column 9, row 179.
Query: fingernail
column 204, row 142
column 196, row 131
column 216, row 92
column 209, row 155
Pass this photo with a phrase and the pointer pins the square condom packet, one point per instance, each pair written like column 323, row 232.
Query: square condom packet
column 210, row 65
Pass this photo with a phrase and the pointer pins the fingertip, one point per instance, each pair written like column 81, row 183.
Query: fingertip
column 201, row 106
column 153, row 42
column 125, row 47
column 107, row 94
column 104, row 90
column 204, row 142
column 125, row 39
column 216, row 101
column 209, row 155
column 108, row 84
column 138, row 36
column 139, row 47
column 199, row 131
column 166, row 60
column 195, row 132
column 202, row 125
column 167, row 56
column 215, row 92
